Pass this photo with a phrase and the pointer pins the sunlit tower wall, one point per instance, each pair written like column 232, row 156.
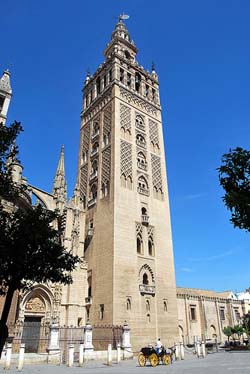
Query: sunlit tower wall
column 123, row 184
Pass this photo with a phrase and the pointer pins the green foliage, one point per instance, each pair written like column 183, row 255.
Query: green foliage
column 8, row 152
column 227, row 330
column 30, row 249
column 238, row 330
column 234, row 176
column 246, row 323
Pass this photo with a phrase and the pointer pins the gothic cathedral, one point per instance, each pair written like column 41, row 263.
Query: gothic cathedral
column 118, row 219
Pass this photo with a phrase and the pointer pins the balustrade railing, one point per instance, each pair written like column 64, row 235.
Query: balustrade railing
column 147, row 289
column 143, row 191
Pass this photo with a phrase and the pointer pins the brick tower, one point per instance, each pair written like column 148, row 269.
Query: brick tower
column 123, row 184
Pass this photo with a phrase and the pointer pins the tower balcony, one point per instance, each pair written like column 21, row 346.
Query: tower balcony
column 88, row 300
column 146, row 289
column 140, row 143
column 143, row 191
column 94, row 152
column 144, row 219
column 91, row 202
column 142, row 166
column 95, row 135
column 93, row 175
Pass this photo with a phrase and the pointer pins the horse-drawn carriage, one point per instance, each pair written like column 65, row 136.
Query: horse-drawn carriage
column 149, row 353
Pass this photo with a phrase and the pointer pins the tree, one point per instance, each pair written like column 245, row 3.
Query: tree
column 246, row 324
column 30, row 247
column 8, row 151
column 237, row 330
column 234, row 176
column 227, row 330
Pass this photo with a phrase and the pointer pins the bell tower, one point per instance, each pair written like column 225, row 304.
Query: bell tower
column 123, row 184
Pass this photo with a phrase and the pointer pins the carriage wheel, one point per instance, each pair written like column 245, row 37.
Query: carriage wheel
column 166, row 359
column 141, row 359
column 154, row 360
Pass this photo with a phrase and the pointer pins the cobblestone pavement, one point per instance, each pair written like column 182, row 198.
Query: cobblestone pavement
column 220, row 363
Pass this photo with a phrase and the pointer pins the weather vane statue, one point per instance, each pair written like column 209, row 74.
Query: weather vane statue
column 123, row 16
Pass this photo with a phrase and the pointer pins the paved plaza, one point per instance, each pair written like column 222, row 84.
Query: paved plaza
column 220, row 363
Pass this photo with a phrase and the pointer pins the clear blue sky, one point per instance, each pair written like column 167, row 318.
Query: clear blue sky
column 202, row 55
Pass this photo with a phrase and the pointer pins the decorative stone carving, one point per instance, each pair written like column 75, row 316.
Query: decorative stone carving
column 35, row 305
column 156, row 172
column 138, row 229
column 85, row 138
column 106, row 162
column 134, row 99
column 57, row 293
column 83, row 181
column 139, row 122
column 107, row 120
column 153, row 132
column 125, row 117
column 95, row 108
column 126, row 159
column 150, row 230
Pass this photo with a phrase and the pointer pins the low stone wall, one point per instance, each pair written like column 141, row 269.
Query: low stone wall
column 42, row 358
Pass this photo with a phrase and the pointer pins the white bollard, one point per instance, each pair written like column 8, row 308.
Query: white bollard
column 203, row 349
column 198, row 349
column 118, row 353
column 177, row 351
column 21, row 357
column 71, row 355
column 182, row 351
column 8, row 356
column 109, row 355
column 81, row 358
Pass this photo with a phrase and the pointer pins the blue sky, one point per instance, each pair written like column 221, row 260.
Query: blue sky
column 201, row 52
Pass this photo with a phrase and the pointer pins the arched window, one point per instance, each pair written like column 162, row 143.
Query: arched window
column 94, row 166
column 137, row 82
column 95, row 127
column 127, row 55
column 143, row 211
column 147, row 305
column 145, row 279
column 140, row 140
column 142, row 183
column 95, row 148
column 128, row 304
column 90, row 287
column 85, row 156
column 106, row 139
column 139, row 244
column 93, row 191
column 165, row 306
column 141, row 161
column 141, row 158
column 98, row 85
column 139, row 122
column 150, row 247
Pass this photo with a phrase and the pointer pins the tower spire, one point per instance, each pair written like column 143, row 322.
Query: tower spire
column 5, row 95
column 59, row 187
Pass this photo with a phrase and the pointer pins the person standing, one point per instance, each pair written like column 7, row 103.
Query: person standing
column 158, row 346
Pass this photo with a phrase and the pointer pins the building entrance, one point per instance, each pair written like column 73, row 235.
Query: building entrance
column 31, row 333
